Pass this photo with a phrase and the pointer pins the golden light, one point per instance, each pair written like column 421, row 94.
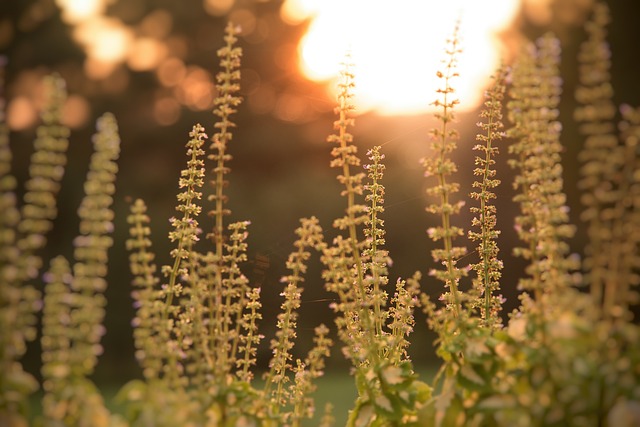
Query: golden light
column 245, row 19
column 157, row 24
column 76, row 111
column 217, row 7
column 105, row 39
column 76, row 11
column 196, row 90
column 295, row 12
column 290, row 108
column 97, row 69
column 263, row 100
column 166, row 111
column 21, row 113
column 108, row 41
column 146, row 53
column 398, row 48
column 171, row 72
column 539, row 11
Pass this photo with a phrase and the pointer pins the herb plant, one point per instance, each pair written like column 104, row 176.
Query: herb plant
column 568, row 356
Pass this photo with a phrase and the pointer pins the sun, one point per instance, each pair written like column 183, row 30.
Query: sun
column 398, row 49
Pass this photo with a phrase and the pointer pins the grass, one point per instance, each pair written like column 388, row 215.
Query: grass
column 334, row 388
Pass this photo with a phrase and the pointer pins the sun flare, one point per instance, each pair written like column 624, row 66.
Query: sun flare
column 398, row 49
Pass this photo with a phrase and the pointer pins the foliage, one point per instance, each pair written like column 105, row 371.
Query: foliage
column 356, row 271
column 74, row 298
column 545, row 367
column 197, row 334
column 568, row 356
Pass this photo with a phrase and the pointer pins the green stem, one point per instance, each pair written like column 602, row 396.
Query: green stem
column 486, row 227
column 353, row 235
column 445, row 214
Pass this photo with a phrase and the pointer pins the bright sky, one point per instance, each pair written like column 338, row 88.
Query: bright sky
column 397, row 47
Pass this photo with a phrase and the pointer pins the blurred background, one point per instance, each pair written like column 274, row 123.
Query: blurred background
column 152, row 63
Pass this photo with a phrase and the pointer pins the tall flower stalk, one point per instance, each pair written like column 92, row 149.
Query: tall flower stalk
column 375, row 256
column 620, row 292
column 488, row 270
column 146, row 294
column 543, row 223
column 345, row 273
column 226, row 103
column 199, row 332
column 74, row 296
column 185, row 234
column 23, row 234
column 440, row 166
column 595, row 114
column 374, row 336
column 309, row 237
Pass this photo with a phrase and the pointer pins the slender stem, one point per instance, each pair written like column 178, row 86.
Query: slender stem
column 445, row 214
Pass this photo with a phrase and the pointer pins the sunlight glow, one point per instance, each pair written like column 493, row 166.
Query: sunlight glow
column 218, row 7
column 105, row 39
column 21, row 113
column 146, row 53
column 398, row 49
column 110, row 42
column 76, row 11
column 76, row 111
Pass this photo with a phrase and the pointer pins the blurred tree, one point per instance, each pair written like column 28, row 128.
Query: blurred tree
column 152, row 63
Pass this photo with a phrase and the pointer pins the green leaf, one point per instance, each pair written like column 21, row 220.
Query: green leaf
column 361, row 416
column 469, row 373
column 453, row 416
column 476, row 348
column 423, row 391
column 384, row 403
column 444, row 400
column 497, row 402
column 133, row 391
column 392, row 375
